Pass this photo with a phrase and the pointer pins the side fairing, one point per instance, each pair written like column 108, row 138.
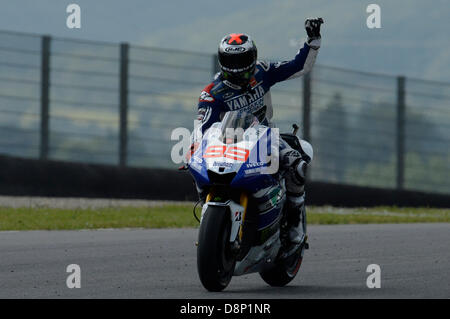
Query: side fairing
column 253, row 175
column 197, row 167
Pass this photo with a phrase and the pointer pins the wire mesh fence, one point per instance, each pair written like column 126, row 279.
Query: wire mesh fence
column 96, row 102
column 354, row 127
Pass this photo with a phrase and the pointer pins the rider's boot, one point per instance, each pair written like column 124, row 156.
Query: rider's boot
column 296, row 213
column 296, row 218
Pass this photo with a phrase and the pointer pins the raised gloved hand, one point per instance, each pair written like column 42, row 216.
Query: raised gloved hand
column 312, row 26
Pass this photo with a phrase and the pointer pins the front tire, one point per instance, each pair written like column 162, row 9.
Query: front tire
column 215, row 260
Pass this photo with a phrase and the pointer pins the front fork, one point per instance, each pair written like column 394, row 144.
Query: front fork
column 237, row 213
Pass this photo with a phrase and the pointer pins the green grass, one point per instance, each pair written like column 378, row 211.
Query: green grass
column 376, row 215
column 169, row 216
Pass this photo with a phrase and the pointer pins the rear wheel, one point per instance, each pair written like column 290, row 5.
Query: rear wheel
column 286, row 269
column 215, row 260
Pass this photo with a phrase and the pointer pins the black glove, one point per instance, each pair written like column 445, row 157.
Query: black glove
column 312, row 26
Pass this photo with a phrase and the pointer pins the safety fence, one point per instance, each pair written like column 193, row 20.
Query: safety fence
column 96, row 102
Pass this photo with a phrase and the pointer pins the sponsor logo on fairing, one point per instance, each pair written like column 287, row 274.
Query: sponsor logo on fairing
column 223, row 164
column 256, row 164
column 253, row 171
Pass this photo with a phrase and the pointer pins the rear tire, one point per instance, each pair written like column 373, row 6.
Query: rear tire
column 215, row 261
column 286, row 270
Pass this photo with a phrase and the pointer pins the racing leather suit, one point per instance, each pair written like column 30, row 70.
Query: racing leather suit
column 221, row 96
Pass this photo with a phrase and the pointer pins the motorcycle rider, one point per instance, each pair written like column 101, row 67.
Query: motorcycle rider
column 244, row 83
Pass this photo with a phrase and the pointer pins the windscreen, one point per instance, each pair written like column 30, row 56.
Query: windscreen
column 234, row 124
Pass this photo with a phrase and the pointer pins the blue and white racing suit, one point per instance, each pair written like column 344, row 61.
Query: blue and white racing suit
column 221, row 96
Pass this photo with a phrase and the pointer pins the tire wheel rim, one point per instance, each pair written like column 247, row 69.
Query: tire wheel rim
column 293, row 263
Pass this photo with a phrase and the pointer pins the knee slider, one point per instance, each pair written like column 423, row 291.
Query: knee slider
column 300, row 170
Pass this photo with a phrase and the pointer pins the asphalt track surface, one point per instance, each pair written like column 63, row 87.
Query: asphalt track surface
column 161, row 263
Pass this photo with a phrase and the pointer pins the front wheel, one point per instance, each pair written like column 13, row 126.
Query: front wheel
column 215, row 260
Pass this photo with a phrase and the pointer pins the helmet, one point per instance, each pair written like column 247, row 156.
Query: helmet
column 237, row 58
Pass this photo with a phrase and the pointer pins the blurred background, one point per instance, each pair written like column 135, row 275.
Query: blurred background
column 376, row 106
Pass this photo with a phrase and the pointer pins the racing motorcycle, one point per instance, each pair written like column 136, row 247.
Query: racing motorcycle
column 243, row 224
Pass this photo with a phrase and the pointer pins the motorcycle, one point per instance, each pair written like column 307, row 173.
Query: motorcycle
column 243, row 224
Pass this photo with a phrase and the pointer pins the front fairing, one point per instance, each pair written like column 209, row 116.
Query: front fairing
column 242, row 160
